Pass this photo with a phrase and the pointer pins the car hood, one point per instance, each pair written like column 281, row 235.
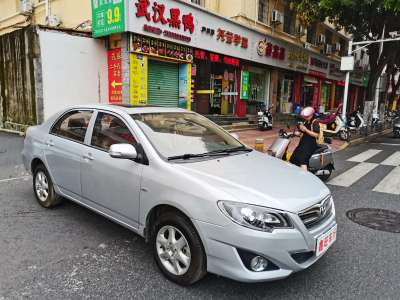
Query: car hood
column 258, row 179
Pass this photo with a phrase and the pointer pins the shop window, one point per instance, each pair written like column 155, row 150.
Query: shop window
column 257, row 87
column 263, row 11
column 289, row 22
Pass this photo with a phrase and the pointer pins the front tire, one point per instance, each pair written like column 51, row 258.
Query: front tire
column 44, row 189
column 178, row 250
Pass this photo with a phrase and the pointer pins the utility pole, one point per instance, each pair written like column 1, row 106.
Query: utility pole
column 347, row 83
column 378, row 83
column 394, row 37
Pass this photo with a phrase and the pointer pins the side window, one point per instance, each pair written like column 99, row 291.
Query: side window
column 73, row 125
column 109, row 130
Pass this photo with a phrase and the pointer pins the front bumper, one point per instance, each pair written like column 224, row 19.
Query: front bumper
column 221, row 244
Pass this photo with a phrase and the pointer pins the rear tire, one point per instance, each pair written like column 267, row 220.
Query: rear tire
column 178, row 249
column 44, row 189
column 344, row 135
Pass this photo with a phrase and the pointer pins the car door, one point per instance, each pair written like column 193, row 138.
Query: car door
column 108, row 182
column 64, row 150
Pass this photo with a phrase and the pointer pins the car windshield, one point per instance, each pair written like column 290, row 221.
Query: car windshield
column 185, row 134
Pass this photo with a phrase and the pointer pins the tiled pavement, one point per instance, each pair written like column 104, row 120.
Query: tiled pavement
column 249, row 137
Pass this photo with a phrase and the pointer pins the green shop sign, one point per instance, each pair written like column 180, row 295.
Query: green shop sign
column 244, row 87
column 108, row 17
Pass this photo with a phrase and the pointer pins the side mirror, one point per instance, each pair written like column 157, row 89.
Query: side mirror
column 235, row 135
column 123, row 151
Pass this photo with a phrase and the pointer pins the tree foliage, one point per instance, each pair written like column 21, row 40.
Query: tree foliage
column 362, row 19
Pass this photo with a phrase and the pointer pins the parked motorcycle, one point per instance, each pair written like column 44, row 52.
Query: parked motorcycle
column 396, row 127
column 265, row 119
column 321, row 162
column 333, row 124
column 355, row 120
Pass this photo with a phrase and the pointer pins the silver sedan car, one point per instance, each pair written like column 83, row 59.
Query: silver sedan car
column 205, row 201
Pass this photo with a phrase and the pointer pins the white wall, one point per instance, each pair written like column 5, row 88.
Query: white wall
column 74, row 71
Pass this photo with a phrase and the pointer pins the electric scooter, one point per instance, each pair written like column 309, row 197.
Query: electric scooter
column 321, row 162
column 333, row 124
column 265, row 119
column 355, row 120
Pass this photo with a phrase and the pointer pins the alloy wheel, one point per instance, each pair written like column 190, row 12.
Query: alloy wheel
column 173, row 250
column 41, row 186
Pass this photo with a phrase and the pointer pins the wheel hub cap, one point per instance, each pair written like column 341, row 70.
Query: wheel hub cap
column 41, row 186
column 173, row 250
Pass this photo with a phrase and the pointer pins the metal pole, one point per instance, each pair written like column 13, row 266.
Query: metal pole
column 378, row 83
column 346, row 85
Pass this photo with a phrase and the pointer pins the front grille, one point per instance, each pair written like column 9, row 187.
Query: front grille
column 317, row 213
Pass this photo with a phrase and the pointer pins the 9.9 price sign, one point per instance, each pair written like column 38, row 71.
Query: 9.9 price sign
column 108, row 17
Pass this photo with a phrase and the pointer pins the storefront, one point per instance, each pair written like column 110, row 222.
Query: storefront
column 216, row 83
column 160, row 72
column 258, row 88
column 171, row 53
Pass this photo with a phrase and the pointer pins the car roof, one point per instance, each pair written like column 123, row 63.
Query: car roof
column 130, row 109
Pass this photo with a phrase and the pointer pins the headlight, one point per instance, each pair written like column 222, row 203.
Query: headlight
column 254, row 217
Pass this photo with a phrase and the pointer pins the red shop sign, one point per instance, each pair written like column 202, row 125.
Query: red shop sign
column 215, row 57
column 270, row 50
column 114, row 76
column 171, row 18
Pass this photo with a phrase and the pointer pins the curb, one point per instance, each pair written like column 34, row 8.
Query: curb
column 366, row 138
column 12, row 132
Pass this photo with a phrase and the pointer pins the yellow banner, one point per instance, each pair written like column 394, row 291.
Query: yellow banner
column 138, row 79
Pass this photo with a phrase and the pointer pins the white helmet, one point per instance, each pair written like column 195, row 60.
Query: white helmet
column 307, row 112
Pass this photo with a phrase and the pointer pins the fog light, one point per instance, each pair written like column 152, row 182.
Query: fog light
column 258, row 263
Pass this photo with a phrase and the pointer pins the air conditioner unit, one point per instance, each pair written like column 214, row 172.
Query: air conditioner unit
column 301, row 30
column 337, row 47
column 277, row 17
column 307, row 46
column 53, row 21
column 328, row 49
column 321, row 39
column 26, row 6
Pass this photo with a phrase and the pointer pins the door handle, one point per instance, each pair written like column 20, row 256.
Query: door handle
column 88, row 157
column 50, row 143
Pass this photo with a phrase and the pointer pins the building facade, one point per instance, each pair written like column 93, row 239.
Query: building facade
column 223, row 57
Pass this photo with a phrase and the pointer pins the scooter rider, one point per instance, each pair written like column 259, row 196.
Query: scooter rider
column 309, row 132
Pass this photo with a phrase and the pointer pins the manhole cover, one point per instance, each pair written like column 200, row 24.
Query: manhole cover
column 378, row 219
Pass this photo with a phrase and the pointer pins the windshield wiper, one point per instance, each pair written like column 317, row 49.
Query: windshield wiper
column 232, row 150
column 211, row 153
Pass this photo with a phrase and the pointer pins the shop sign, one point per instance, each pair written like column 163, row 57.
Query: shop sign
column 298, row 59
column 317, row 73
column 215, row 57
column 270, row 50
column 108, row 17
column 138, row 79
column 244, row 87
column 114, row 76
column 157, row 13
column 160, row 48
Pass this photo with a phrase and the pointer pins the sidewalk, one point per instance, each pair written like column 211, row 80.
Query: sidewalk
column 249, row 137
